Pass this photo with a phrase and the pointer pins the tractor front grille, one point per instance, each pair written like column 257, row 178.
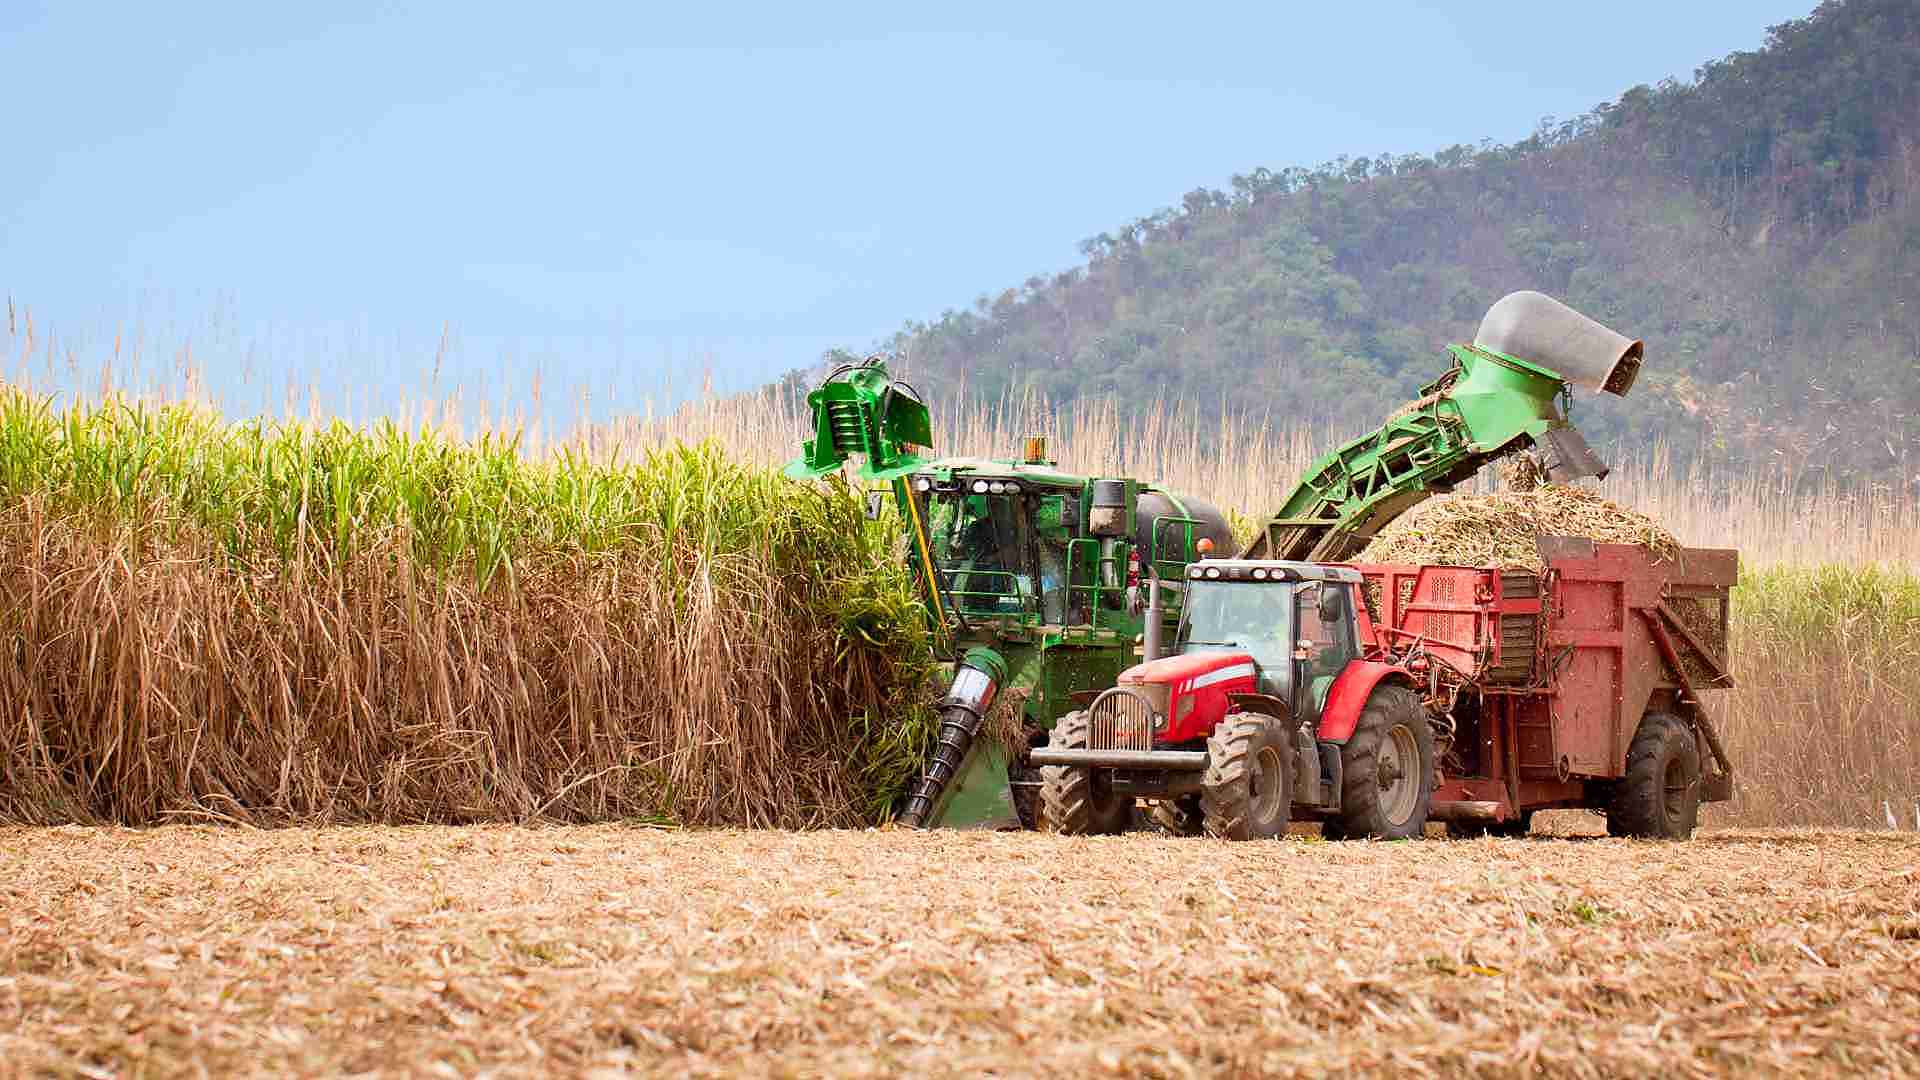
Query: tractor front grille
column 1120, row 719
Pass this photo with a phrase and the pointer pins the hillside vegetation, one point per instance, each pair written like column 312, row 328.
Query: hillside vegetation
column 1758, row 225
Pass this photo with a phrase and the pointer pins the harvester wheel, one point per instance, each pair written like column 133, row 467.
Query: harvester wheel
column 1079, row 801
column 1180, row 817
column 1387, row 766
column 1247, row 793
column 1659, row 798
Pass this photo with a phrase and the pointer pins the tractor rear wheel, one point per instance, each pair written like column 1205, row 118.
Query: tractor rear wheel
column 1180, row 817
column 1079, row 801
column 1247, row 793
column 1659, row 798
column 1386, row 769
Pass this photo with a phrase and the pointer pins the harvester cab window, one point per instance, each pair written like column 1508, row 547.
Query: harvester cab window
column 1050, row 524
column 978, row 546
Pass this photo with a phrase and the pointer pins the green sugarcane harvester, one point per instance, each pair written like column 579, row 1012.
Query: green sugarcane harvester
column 1050, row 583
column 1030, row 577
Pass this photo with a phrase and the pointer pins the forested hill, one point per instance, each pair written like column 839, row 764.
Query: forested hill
column 1758, row 226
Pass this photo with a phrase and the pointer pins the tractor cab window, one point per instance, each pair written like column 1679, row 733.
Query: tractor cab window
column 1325, row 638
column 1256, row 619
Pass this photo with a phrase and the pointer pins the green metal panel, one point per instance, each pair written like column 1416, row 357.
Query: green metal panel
column 979, row 796
column 1487, row 405
column 859, row 410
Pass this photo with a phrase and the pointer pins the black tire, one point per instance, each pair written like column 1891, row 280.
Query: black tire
column 1247, row 793
column 1392, row 736
column 1470, row 830
column 1659, row 798
column 1079, row 801
column 1026, row 792
column 1180, row 817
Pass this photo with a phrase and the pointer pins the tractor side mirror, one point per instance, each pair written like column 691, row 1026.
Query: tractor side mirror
column 1332, row 609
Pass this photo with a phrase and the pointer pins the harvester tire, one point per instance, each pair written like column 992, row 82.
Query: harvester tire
column 1387, row 770
column 1079, row 801
column 1659, row 798
column 1247, row 792
column 1180, row 817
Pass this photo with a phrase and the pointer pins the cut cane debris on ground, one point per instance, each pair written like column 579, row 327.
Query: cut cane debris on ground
column 559, row 950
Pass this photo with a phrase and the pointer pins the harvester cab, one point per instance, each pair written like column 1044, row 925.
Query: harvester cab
column 1033, row 580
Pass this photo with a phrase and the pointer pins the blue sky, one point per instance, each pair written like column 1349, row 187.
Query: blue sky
column 621, row 194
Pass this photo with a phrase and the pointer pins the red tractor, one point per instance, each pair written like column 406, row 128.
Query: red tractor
column 1377, row 698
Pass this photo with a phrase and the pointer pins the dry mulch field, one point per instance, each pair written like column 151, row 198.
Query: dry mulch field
column 462, row 951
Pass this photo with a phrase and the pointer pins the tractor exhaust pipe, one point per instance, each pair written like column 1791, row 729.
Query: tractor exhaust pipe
column 1541, row 330
column 1150, row 644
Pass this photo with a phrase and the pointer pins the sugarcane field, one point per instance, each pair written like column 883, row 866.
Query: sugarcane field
column 1448, row 614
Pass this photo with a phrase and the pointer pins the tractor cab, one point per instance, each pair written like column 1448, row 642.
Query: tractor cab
column 1294, row 621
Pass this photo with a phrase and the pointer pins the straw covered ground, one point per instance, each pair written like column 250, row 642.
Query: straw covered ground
column 564, row 949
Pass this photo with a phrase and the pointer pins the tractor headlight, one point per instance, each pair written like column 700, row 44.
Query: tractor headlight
column 1259, row 573
column 980, row 487
column 1213, row 572
column 923, row 483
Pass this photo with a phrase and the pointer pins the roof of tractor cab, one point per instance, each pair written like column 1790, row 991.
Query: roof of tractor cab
column 1275, row 570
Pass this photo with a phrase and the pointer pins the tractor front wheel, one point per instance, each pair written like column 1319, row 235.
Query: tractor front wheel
column 1079, row 801
column 1387, row 770
column 1247, row 793
column 1659, row 798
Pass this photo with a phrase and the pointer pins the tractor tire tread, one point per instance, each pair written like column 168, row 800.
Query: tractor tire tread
column 1360, row 815
column 1226, row 790
column 1069, row 801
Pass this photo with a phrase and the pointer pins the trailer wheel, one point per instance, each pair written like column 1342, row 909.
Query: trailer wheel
column 1387, row 770
column 1079, row 801
column 1180, row 817
column 1247, row 793
column 1659, row 798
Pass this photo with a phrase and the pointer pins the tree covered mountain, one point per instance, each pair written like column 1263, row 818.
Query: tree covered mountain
column 1758, row 226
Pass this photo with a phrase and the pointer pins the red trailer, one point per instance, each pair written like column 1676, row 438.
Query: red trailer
column 1550, row 682
column 1378, row 697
